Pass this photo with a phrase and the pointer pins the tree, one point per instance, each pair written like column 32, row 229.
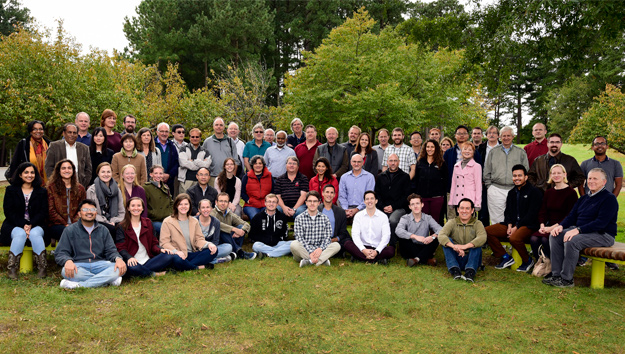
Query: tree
column 13, row 16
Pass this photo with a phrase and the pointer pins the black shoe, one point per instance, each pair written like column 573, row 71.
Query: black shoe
column 262, row 255
column 612, row 266
column 469, row 275
column 550, row 280
column 563, row 283
column 383, row 261
column 209, row 266
column 241, row 254
column 353, row 259
column 456, row 274
column 233, row 256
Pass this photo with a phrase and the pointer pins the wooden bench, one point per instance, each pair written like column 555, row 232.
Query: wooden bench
column 600, row 255
column 26, row 263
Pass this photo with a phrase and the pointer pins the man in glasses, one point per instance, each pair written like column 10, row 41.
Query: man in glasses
column 611, row 167
column 87, row 253
column 169, row 155
column 539, row 172
column 257, row 146
column 68, row 148
column 191, row 158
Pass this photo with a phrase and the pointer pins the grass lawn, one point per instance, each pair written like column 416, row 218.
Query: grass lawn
column 272, row 306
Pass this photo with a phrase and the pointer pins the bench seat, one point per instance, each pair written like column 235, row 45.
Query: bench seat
column 600, row 255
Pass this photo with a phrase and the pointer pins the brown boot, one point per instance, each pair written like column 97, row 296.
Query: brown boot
column 42, row 264
column 14, row 265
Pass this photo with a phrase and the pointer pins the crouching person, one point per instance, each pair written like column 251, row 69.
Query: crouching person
column 269, row 230
column 462, row 239
column 416, row 245
column 87, row 253
column 313, row 235
column 233, row 228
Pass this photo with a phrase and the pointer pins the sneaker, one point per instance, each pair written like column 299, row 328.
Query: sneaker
column 304, row 262
column 612, row 266
column 233, row 256
column 526, row 266
column 562, row 283
column 411, row 262
column 456, row 274
column 581, row 261
column 550, row 279
column 249, row 255
column 469, row 275
column 225, row 259
column 327, row 262
column 262, row 255
column 383, row 262
column 117, row 282
column 506, row 261
column 68, row 284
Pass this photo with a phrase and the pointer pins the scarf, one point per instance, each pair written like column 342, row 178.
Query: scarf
column 37, row 156
column 464, row 162
column 134, row 153
column 108, row 197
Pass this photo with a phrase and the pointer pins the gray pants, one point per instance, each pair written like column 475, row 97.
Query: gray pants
column 564, row 255
column 299, row 252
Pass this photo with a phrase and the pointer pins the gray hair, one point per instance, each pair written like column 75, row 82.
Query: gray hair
column 81, row 113
column 162, row 123
column 296, row 120
column 599, row 170
column 281, row 132
column 258, row 125
column 491, row 128
column 293, row 158
column 235, row 124
column 507, row 128
column 332, row 128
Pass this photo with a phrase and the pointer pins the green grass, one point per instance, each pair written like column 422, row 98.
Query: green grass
column 272, row 306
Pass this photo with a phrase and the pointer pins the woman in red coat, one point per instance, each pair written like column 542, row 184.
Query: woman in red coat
column 256, row 184
column 324, row 176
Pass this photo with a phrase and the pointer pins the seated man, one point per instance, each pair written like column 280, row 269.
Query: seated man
column 270, row 230
column 202, row 190
column 416, row 245
column 233, row 228
column 371, row 234
column 462, row 239
column 158, row 198
column 591, row 223
column 87, row 253
column 353, row 185
column 337, row 217
column 313, row 235
column 291, row 189
column 392, row 187
column 520, row 221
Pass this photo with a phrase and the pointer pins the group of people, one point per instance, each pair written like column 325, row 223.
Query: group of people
column 155, row 203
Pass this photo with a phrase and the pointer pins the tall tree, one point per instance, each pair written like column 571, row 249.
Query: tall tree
column 12, row 14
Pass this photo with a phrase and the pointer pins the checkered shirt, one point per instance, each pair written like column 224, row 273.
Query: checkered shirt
column 405, row 154
column 313, row 233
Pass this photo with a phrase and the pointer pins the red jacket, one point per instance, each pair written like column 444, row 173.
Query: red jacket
column 315, row 185
column 256, row 189
column 128, row 245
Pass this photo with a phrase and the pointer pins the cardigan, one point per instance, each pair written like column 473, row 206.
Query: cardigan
column 15, row 206
column 91, row 194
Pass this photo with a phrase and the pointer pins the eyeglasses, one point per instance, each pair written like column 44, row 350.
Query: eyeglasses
column 71, row 133
column 258, row 132
column 86, row 210
column 37, row 130
column 312, row 201
column 164, row 131
column 462, row 134
column 194, row 137
column 180, row 132
column 599, row 144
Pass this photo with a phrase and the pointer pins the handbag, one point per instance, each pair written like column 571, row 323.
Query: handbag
column 543, row 265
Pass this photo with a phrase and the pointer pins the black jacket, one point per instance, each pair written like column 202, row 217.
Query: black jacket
column 197, row 194
column 395, row 192
column 14, row 207
column 529, row 206
column 430, row 180
column 269, row 229
column 22, row 154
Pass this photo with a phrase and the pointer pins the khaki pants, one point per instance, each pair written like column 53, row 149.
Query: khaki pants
column 299, row 252
column 185, row 186
column 496, row 203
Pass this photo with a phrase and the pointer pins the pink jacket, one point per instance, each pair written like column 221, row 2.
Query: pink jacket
column 466, row 183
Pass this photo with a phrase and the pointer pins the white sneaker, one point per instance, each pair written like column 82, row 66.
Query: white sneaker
column 304, row 262
column 117, row 282
column 68, row 284
column 327, row 262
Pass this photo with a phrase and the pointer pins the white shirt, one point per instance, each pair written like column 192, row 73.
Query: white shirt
column 142, row 254
column 72, row 154
column 373, row 231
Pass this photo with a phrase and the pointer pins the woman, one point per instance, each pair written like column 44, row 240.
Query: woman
column 557, row 203
column 26, row 213
column 108, row 198
column 99, row 151
column 256, row 184
column 108, row 122
column 446, row 144
column 231, row 184
column 363, row 147
column 431, row 179
column 64, row 194
column 210, row 226
column 182, row 235
column 137, row 245
column 32, row 149
column 148, row 149
column 130, row 188
column 466, row 180
column 129, row 155
column 324, row 176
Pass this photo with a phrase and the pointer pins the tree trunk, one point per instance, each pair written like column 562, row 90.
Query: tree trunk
column 519, row 121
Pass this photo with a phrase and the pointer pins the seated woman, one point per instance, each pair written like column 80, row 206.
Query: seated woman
column 148, row 149
column 211, row 229
column 108, row 198
column 370, row 156
column 182, row 235
column 130, row 188
column 99, row 151
column 64, row 194
column 557, row 202
column 229, row 183
column 31, row 149
column 137, row 245
column 324, row 176
column 129, row 155
column 256, row 184
column 26, row 213
column 466, row 180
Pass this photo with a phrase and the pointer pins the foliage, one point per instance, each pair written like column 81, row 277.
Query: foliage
column 567, row 104
column 13, row 16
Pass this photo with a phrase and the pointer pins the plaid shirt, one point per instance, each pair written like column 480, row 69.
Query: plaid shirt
column 405, row 154
column 313, row 233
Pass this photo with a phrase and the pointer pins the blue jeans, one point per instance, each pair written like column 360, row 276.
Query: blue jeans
column 471, row 260
column 193, row 260
column 93, row 274
column 18, row 240
column 235, row 242
column 251, row 211
column 223, row 250
column 301, row 209
column 281, row 249
column 157, row 227
column 155, row 264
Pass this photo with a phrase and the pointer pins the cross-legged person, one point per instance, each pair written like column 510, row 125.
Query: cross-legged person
column 416, row 245
column 270, row 230
column 371, row 234
column 233, row 228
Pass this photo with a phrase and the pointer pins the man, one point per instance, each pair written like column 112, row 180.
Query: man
column 539, row 172
column 498, row 175
column 291, row 189
column 130, row 123
column 353, row 186
column 305, row 151
column 492, row 140
column 298, row 135
column 462, row 239
column 416, row 140
column 233, row 133
column 335, row 153
column 257, row 146
column 313, row 235
column 416, row 245
column 371, row 234
column 68, row 148
column 611, row 167
column 270, row 136
column 336, row 215
column 158, row 198
column 179, row 134
column 220, row 148
column 435, row 134
column 392, row 187
column 169, row 155
column 520, row 221
column 82, row 122
column 407, row 160
column 539, row 145
column 476, row 137
column 202, row 190
column 276, row 156
column 192, row 157
column 87, row 253
column 352, row 135
column 269, row 231
column 383, row 136
column 591, row 223
column 233, row 228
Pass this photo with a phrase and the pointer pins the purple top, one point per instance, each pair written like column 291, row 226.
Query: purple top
column 138, row 191
column 114, row 142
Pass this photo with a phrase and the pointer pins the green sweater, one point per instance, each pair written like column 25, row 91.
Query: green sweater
column 160, row 205
column 461, row 234
column 229, row 220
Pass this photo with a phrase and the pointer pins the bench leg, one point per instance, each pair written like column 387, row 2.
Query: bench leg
column 517, row 259
column 26, row 264
column 597, row 274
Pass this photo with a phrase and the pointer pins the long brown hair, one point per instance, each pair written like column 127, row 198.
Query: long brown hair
column 151, row 146
column 368, row 149
column 126, row 223
column 223, row 175
column 438, row 153
column 57, row 181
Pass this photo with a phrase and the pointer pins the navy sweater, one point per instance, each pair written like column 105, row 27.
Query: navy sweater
column 595, row 213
